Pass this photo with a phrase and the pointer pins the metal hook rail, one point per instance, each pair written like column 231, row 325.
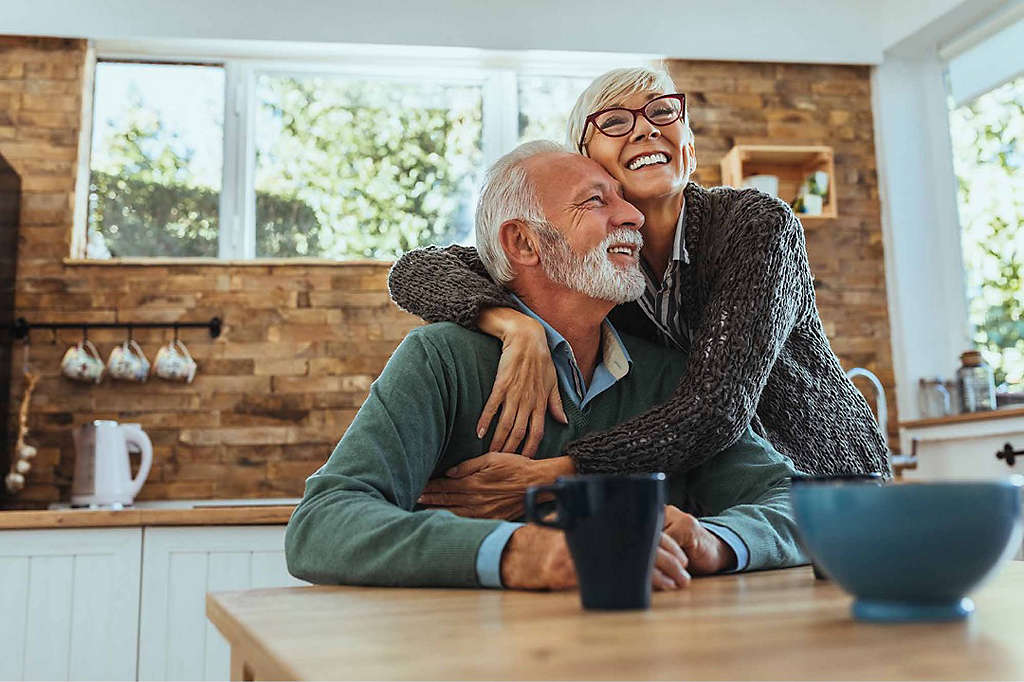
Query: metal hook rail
column 22, row 327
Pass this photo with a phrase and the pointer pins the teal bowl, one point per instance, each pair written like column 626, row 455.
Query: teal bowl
column 908, row 552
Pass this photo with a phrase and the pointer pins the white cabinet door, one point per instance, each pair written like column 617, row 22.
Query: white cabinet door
column 965, row 451
column 69, row 603
column 182, row 564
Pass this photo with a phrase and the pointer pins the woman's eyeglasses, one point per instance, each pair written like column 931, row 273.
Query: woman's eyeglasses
column 619, row 121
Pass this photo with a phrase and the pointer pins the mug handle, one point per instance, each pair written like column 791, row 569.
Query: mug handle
column 89, row 348
column 532, row 513
column 133, row 435
column 134, row 345
column 184, row 351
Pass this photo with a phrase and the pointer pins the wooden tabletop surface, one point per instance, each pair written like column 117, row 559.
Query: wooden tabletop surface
column 762, row 625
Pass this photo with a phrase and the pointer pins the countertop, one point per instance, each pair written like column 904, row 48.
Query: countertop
column 157, row 513
column 1001, row 413
column 767, row 625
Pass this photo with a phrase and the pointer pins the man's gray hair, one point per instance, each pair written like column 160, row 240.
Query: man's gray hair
column 508, row 194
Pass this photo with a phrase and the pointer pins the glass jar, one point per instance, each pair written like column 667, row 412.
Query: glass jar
column 934, row 398
column 953, row 388
column 977, row 383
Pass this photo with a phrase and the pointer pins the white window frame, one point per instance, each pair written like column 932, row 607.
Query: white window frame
column 243, row 61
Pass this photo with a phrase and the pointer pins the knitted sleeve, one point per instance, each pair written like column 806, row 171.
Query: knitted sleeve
column 757, row 294
column 448, row 284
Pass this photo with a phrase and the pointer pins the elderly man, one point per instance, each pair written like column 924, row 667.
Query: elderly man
column 557, row 230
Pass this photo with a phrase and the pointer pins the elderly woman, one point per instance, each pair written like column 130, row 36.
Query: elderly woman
column 727, row 281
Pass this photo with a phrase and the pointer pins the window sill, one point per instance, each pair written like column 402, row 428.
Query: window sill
column 219, row 262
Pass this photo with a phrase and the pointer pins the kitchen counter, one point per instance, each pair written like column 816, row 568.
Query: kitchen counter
column 164, row 513
column 967, row 417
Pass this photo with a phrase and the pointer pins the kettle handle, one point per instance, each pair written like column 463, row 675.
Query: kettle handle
column 134, row 435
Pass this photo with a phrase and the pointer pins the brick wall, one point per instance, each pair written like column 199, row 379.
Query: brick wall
column 302, row 343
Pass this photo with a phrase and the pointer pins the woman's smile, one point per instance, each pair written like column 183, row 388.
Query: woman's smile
column 650, row 161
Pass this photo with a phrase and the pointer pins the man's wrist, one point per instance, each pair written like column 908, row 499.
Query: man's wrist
column 726, row 556
column 513, row 558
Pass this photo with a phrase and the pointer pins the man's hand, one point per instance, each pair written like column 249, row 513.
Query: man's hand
column 705, row 551
column 670, row 565
column 537, row 558
column 491, row 486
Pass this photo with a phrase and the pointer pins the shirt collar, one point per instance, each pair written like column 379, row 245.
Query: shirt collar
column 614, row 355
column 679, row 251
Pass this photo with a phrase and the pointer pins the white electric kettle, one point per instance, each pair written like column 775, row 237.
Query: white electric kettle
column 102, row 469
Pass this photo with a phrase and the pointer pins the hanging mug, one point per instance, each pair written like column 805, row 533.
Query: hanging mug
column 128, row 363
column 82, row 362
column 174, row 363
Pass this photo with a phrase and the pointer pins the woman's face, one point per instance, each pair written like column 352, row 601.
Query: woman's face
column 665, row 177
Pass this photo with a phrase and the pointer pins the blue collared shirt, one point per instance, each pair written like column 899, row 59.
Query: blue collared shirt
column 613, row 365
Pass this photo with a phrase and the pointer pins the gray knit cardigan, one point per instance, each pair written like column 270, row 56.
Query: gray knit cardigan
column 758, row 354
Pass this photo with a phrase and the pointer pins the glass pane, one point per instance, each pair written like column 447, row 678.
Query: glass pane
column 359, row 168
column 544, row 104
column 157, row 160
column 988, row 155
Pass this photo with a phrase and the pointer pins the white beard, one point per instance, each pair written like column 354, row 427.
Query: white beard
column 593, row 274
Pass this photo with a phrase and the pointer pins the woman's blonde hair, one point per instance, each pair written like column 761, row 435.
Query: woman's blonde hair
column 612, row 88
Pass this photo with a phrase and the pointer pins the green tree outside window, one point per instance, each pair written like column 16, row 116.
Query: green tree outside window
column 988, row 155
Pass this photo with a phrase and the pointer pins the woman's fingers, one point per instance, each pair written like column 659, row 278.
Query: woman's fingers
column 518, row 431
column 506, row 420
column 490, row 409
column 555, row 405
column 536, row 431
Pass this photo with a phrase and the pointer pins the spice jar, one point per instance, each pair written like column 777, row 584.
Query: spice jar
column 977, row 383
column 934, row 398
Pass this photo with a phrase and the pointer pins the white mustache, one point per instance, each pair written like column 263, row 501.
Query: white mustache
column 622, row 236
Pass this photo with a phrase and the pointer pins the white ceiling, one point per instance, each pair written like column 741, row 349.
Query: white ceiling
column 832, row 31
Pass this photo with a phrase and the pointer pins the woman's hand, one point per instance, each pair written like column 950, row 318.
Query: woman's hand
column 525, row 386
column 491, row 486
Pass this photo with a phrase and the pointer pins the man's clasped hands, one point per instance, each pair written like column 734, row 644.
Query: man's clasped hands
column 492, row 486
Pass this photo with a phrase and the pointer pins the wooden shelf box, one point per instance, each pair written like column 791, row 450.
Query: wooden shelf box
column 790, row 163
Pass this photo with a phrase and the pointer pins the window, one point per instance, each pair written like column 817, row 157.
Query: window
column 246, row 158
column 544, row 105
column 361, row 168
column 988, row 156
column 157, row 160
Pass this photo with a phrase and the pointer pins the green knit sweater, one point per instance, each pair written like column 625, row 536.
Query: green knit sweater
column 358, row 522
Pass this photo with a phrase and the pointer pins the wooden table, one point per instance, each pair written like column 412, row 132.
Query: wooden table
column 766, row 625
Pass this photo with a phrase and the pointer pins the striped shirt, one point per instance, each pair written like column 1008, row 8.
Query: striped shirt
column 660, row 300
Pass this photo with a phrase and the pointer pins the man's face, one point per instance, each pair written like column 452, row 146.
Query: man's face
column 592, row 244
